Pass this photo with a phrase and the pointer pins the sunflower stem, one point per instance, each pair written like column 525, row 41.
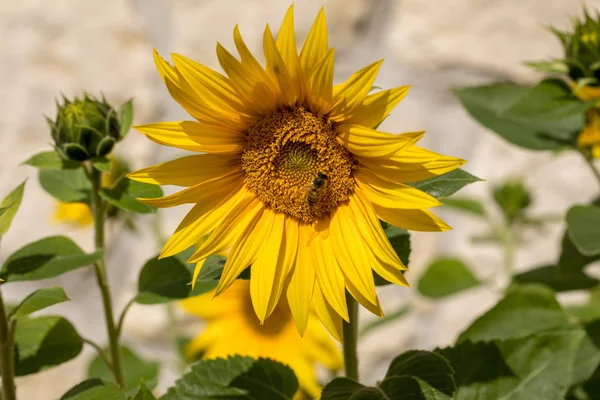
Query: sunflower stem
column 590, row 162
column 98, row 209
column 350, row 332
column 7, row 361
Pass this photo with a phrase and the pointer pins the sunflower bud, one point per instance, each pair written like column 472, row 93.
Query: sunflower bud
column 582, row 49
column 513, row 198
column 85, row 128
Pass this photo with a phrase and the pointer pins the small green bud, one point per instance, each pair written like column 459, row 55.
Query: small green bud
column 85, row 128
column 513, row 198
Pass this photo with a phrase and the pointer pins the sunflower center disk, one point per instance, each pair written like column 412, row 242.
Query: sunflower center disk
column 294, row 164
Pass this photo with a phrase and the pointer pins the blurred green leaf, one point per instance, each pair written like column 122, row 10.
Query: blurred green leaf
column 583, row 225
column 9, row 205
column 50, row 160
column 470, row 206
column 123, row 195
column 38, row 300
column 447, row 184
column 95, row 389
column 587, row 357
column 550, row 67
column 69, row 185
column 135, row 370
column 144, row 393
column 488, row 106
column 513, row 199
column 46, row 258
column 102, row 164
column 125, row 114
column 524, row 310
column 559, row 280
column 445, row 277
column 268, row 380
column 44, row 342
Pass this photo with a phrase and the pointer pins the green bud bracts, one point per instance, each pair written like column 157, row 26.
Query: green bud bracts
column 85, row 128
column 513, row 198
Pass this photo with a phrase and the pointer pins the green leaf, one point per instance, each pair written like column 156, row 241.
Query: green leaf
column 469, row 206
column 38, row 300
column 169, row 279
column 488, row 104
column 583, row 225
column 144, row 393
column 426, row 366
column 400, row 240
column 46, row 258
column 69, row 185
column 409, row 388
column 102, row 164
column 134, row 367
column 537, row 366
column 268, row 380
column 44, row 342
column 10, row 205
column 587, row 357
column 211, row 379
column 551, row 67
column 445, row 277
column 125, row 192
column 95, row 389
column 50, row 160
column 550, row 108
column 556, row 278
column 571, row 260
column 125, row 115
column 340, row 389
column 525, row 310
column 447, row 184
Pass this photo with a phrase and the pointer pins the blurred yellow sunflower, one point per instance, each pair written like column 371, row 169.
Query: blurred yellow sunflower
column 590, row 135
column 233, row 328
column 79, row 214
column 295, row 177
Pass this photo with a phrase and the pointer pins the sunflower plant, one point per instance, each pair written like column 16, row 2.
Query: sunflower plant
column 301, row 207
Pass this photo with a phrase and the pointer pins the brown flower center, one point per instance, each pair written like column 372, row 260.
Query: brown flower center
column 294, row 164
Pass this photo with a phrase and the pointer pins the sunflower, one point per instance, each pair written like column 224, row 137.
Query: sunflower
column 231, row 316
column 590, row 135
column 295, row 178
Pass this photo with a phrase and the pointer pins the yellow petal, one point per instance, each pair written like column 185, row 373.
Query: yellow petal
column 329, row 275
column 210, row 85
column 376, row 107
column 277, row 69
column 392, row 195
column 245, row 251
column 300, row 289
column 188, row 171
column 322, row 349
column 250, row 63
column 195, row 136
column 255, row 93
column 414, row 220
column 375, row 308
column 350, row 94
column 286, row 43
column 394, row 171
column 330, row 319
column 230, row 229
column 319, row 87
column 351, row 253
column 201, row 219
column 201, row 192
column 316, row 45
column 272, row 266
column 367, row 142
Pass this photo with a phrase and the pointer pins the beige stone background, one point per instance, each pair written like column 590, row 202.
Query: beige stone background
column 68, row 46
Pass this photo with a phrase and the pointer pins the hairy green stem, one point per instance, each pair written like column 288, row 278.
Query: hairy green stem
column 350, row 332
column 7, row 343
column 590, row 162
column 98, row 209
